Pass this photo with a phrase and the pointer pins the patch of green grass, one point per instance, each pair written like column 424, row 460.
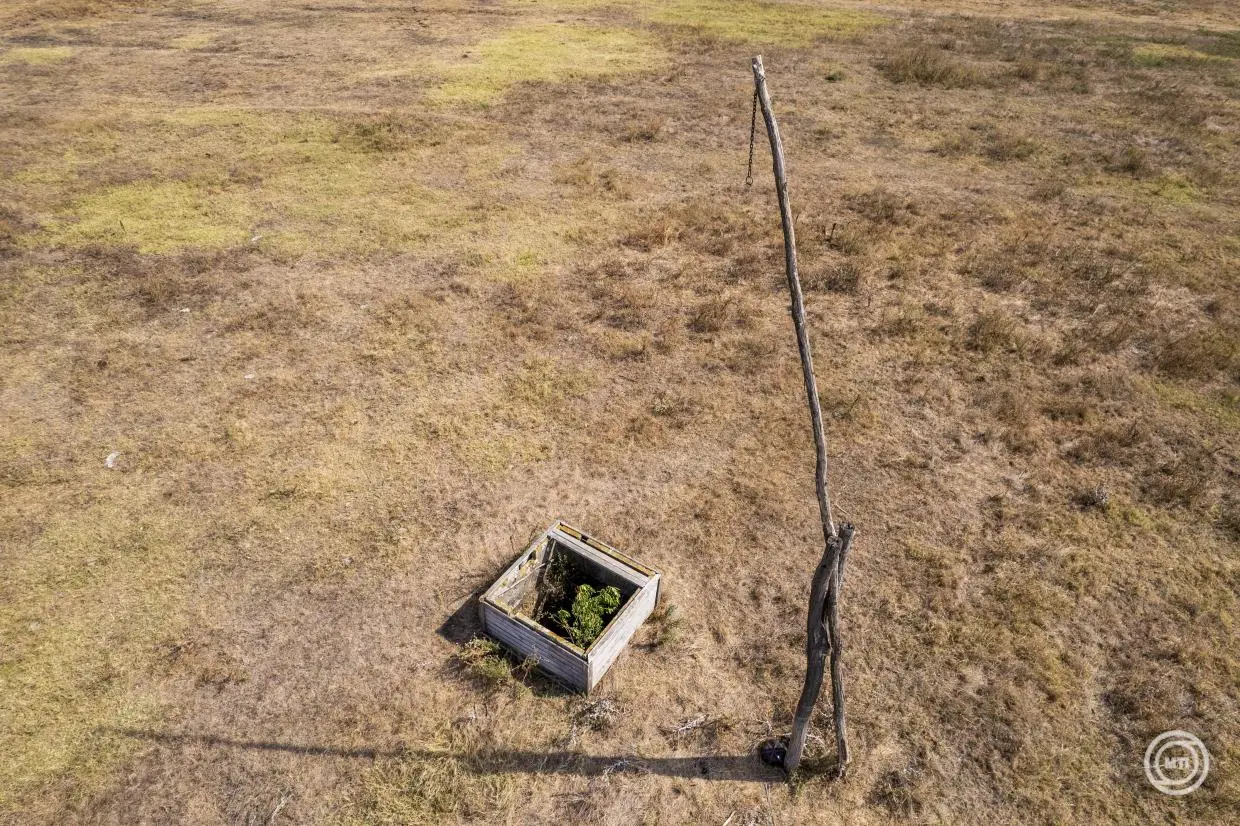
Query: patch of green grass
column 1162, row 54
column 1174, row 189
column 548, row 53
column 36, row 55
column 296, row 183
column 79, row 609
column 788, row 24
column 1223, row 409
column 484, row 660
column 159, row 217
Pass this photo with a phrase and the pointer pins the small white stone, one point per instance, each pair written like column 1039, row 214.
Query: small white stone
column 110, row 462
column 249, row 377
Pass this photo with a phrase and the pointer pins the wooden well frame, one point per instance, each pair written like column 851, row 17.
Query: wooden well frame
column 578, row 668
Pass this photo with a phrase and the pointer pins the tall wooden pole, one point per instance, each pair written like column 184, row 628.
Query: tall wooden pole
column 798, row 302
column 822, row 627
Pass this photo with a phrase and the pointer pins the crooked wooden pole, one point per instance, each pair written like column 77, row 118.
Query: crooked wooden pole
column 822, row 627
column 798, row 302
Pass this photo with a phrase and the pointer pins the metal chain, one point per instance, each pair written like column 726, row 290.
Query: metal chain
column 753, row 126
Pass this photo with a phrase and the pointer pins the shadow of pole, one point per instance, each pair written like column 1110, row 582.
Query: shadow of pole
column 745, row 767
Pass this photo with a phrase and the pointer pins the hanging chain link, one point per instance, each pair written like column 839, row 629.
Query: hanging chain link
column 753, row 126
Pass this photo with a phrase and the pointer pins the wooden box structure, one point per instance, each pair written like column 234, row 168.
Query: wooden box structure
column 505, row 607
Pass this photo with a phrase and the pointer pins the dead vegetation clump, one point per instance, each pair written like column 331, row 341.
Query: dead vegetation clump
column 849, row 239
column 597, row 715
column 882, row 206
column 905, row 321
column 1187, row 480
column 1007, row 145
column 852, row 410
column 1177, row 104
column 846, row 277
column 585, row 173
column 701, row 730
column 1228, row 519
column 13, row 224
column 667, row 626
column 713, row 315
column 928, row 66
column 1095, row 497
column 998, row 269
column 1114, row 442
column 642, row 129
column 449, row 780
column 26, row 12
column 170, row 282
column 1130, row 160
column 993, row 331
column 1201, row 354
column 389, row 132
column 708, row 228
column 622, row 296
column 896, row 791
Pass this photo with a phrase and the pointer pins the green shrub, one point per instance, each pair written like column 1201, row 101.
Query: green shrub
column 590, row 612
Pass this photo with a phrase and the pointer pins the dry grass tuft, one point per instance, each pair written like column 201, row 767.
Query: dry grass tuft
column 928, row 66
column 993, row 331
column 1186, row 481
column 846, row 277
column 896, row 791
column 435, row 785
column 1131, row 160
column 713, row 315
column 42, row 12
column 1201, row 354
column 881, row 206
column 849, row 239
column 667, row 626
column 705, row 227
column 1009, row 146
column 1228, row 520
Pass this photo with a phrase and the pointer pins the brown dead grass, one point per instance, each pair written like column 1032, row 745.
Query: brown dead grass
column 350, row 355
column 928, row 66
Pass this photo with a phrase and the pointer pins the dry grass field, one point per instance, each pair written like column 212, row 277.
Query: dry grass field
column 354, row 297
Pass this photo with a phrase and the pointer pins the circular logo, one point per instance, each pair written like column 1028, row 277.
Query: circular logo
column 1176, row 762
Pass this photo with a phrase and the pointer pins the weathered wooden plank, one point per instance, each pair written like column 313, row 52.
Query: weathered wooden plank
column 632, row 563
column 553, row 656
column 610, row 644
column 614, row 568
column 523, row 566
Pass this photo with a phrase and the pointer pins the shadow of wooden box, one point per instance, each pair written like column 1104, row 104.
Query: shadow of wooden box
column 505, row 607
